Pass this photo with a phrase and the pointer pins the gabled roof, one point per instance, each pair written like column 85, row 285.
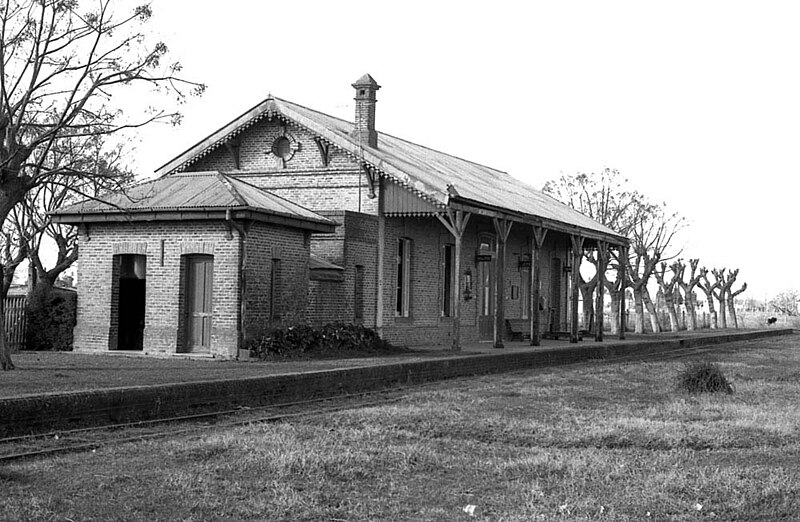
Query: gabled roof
column 193, row 195
column 425, row 172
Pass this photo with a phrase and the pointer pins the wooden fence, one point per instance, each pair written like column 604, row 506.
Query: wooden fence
column 15, row 322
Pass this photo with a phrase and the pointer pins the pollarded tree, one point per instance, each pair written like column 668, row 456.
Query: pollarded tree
column 711, row 291
column 731, row 301
column 652, row 240
column 723, row 290
column 726, row 296
column 605, row 198
column 668, row 287
column 687, row 287
column 61, row 65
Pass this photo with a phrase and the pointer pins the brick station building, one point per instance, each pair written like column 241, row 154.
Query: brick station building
column 428, row 248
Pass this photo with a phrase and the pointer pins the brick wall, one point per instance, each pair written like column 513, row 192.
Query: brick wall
column 286, row 251
column 354, row 244
column 303, row 179
column 164, row 328
column 163, row 244
column 426, row 324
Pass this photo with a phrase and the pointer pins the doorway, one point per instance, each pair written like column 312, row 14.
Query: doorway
column 198, row 302
column 555, row 294
column 486, row 291
column 131, row 296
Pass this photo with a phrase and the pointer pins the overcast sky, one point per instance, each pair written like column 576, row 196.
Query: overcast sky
column 697, row 103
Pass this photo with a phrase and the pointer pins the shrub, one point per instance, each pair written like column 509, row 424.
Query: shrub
column 328, row 340
column 50, row 321
column 704, row 377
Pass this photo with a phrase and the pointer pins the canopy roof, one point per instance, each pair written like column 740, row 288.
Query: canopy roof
column 438, row 178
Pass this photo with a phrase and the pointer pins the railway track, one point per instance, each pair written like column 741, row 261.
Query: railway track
column 92, row 438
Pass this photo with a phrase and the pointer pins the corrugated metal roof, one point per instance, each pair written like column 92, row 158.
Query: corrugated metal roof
column 194, row 191
column 425, row 172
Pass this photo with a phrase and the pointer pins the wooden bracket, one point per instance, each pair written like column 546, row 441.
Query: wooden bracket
column 324, row 150
column 372, row 179
column 456, row 222
column 233, row 147
column 503, row 227
column 539, row 234
column 577, row 244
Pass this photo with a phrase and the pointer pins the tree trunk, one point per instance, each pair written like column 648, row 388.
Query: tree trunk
column 587, row 291
column 5, row 353
column 732, row 313
column 691, row 307
column 638, row 306
column 615, row 318
column 12, row 191
column 655, row 323
column 669, row 302
column 722, row 312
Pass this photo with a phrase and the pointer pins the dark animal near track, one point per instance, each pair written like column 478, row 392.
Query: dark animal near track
column 772, row 320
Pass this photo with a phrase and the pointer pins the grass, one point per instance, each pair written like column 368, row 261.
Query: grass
column 590, row 442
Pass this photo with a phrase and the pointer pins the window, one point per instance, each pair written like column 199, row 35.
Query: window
column 281, row 147
column 403, row 287
column 449, row 290
column 275, row 290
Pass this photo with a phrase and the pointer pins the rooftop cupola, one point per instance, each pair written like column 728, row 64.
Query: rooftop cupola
column 364, row 129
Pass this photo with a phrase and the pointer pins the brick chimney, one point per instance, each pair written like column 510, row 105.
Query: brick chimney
column 364, row 129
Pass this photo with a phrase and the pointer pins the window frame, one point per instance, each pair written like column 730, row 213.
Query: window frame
column 402, row 308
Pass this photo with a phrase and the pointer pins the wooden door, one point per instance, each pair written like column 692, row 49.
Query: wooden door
column 199, row 302
column 486, row 300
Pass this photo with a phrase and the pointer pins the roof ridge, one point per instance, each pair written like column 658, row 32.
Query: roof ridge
column 382, row 133
column 265, row 191
column 228, row 185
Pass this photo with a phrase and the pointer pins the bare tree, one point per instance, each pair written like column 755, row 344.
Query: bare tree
column 652, row 238
column 711, row 291
column 725, row 296
column 61, row 66
column 687, row 287
column 723, row 290
column 13, row 252
column 104, row 172
column 731, row 302
column 786, row 303
column 604, row 197
column 668, row 287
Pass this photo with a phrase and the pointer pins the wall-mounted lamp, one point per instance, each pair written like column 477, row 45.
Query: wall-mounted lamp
column 467, row 285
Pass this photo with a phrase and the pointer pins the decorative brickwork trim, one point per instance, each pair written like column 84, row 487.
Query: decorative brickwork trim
column 129, row 247
column 197, row 247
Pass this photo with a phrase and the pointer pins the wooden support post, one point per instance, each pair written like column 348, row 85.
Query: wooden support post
column 623, row 263
column 502, row 227
column 537, row 241
column 456, row 224
column 577, row 255
column 381, row 246
column 602, row 256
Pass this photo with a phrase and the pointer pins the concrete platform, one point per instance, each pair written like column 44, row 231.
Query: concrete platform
column 37, row 413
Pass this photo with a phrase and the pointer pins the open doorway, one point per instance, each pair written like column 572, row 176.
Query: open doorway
column 128, row 312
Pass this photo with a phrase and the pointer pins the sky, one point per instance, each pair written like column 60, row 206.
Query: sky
column 696, row 103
